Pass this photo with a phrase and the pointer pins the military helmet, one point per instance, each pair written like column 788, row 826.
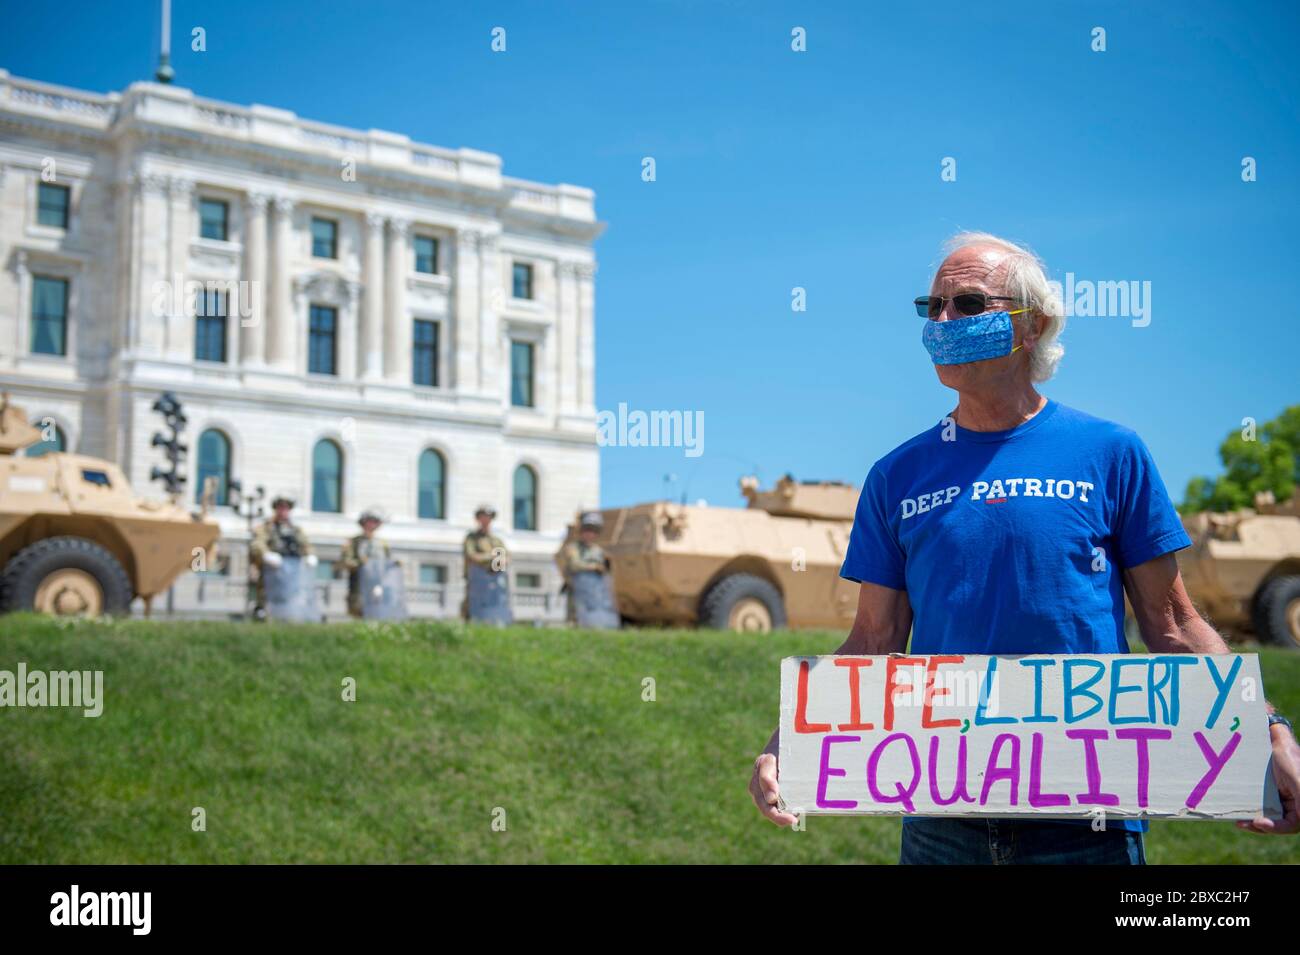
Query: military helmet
column 487, row 509
column 592, row 519
column 283, row 497
column 371, row 514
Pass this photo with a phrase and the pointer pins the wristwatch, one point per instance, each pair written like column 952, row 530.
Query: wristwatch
column 1278, row 718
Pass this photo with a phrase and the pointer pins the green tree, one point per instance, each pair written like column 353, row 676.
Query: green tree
column 1267, row 459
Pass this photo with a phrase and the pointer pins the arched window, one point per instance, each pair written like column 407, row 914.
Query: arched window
column 433, row 491
column 52, row 439
column 213, row 461
column 525, row 498
column 327, row 477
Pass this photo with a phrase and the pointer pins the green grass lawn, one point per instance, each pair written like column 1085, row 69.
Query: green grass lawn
column 450, row 725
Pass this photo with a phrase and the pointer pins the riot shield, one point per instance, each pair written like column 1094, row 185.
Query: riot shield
column 291, row 591
column 383, row 591
column 593, row 600
column 489, row 596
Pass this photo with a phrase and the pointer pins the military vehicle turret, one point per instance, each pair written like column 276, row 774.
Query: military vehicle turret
column 772, row 564
column 1243, row 568
column 75, row 540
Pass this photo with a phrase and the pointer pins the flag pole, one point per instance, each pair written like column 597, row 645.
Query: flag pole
column 165, row 71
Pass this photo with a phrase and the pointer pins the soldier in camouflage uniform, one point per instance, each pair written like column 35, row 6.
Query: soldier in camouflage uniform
column 484, row 548
column 274, row 540
column 356, row 552
column 583, row 554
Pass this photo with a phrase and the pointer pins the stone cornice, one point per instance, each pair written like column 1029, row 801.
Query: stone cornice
column 389, row 164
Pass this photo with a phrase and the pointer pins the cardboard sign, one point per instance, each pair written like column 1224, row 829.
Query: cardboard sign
column 1070, row 736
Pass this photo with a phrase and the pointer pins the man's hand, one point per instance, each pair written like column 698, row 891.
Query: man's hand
column 272, row 559
column 1286, row 773
column 1171, row 624
column 763, row 788
column 882, row 624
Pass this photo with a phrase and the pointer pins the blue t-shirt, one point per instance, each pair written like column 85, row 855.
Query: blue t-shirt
column 1014, row 541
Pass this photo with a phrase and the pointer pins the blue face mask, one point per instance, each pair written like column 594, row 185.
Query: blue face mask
column 971, row 338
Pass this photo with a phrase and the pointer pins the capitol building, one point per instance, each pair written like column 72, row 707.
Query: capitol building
column 348, row 316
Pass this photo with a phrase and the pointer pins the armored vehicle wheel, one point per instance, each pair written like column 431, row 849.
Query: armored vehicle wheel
column 743, row 603
column 1277, row 612
column 67, row 577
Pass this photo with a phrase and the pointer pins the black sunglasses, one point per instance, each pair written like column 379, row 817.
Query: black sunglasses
column 968, row 303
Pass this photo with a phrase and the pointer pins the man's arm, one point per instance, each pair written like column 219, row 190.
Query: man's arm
column 881, row 626
column 349, row 559
column 474, row 554
column 564, row 560
column 1165, row 614
column 257, row 546
column 1171, row 624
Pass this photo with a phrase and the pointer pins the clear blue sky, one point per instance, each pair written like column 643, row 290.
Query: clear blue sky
column 822, row 170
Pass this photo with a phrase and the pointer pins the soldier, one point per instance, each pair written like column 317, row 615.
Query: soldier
column 356, row 552
column 274, row 540
column 486, row 560
column 585, row 556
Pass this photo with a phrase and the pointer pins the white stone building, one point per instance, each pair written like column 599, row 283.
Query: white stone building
column 347, row 315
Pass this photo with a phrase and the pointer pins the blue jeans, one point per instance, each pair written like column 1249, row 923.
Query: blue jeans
column 935, row 841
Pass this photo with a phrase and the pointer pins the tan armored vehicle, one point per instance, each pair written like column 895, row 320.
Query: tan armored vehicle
column 772, row 564
column 75, row 540
column 1243, row 569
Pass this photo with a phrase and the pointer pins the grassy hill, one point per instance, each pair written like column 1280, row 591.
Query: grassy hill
column 450, row 725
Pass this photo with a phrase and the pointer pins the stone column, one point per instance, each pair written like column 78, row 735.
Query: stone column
column 282, row 325
column 301, row 305
column 252, row 310
column 397, row 332
column 372, row 327
column 121, row 212
column 149, row 266
column 586, row 344
column 347, row 331
column 465, row 324
column 180, row 319
column 493, row 367
column 23, row 318
column 567, row 314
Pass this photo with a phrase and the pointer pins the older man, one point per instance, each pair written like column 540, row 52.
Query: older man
column 1065, row 513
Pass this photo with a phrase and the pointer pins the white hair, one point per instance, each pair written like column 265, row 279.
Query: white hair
column 1026, row 282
